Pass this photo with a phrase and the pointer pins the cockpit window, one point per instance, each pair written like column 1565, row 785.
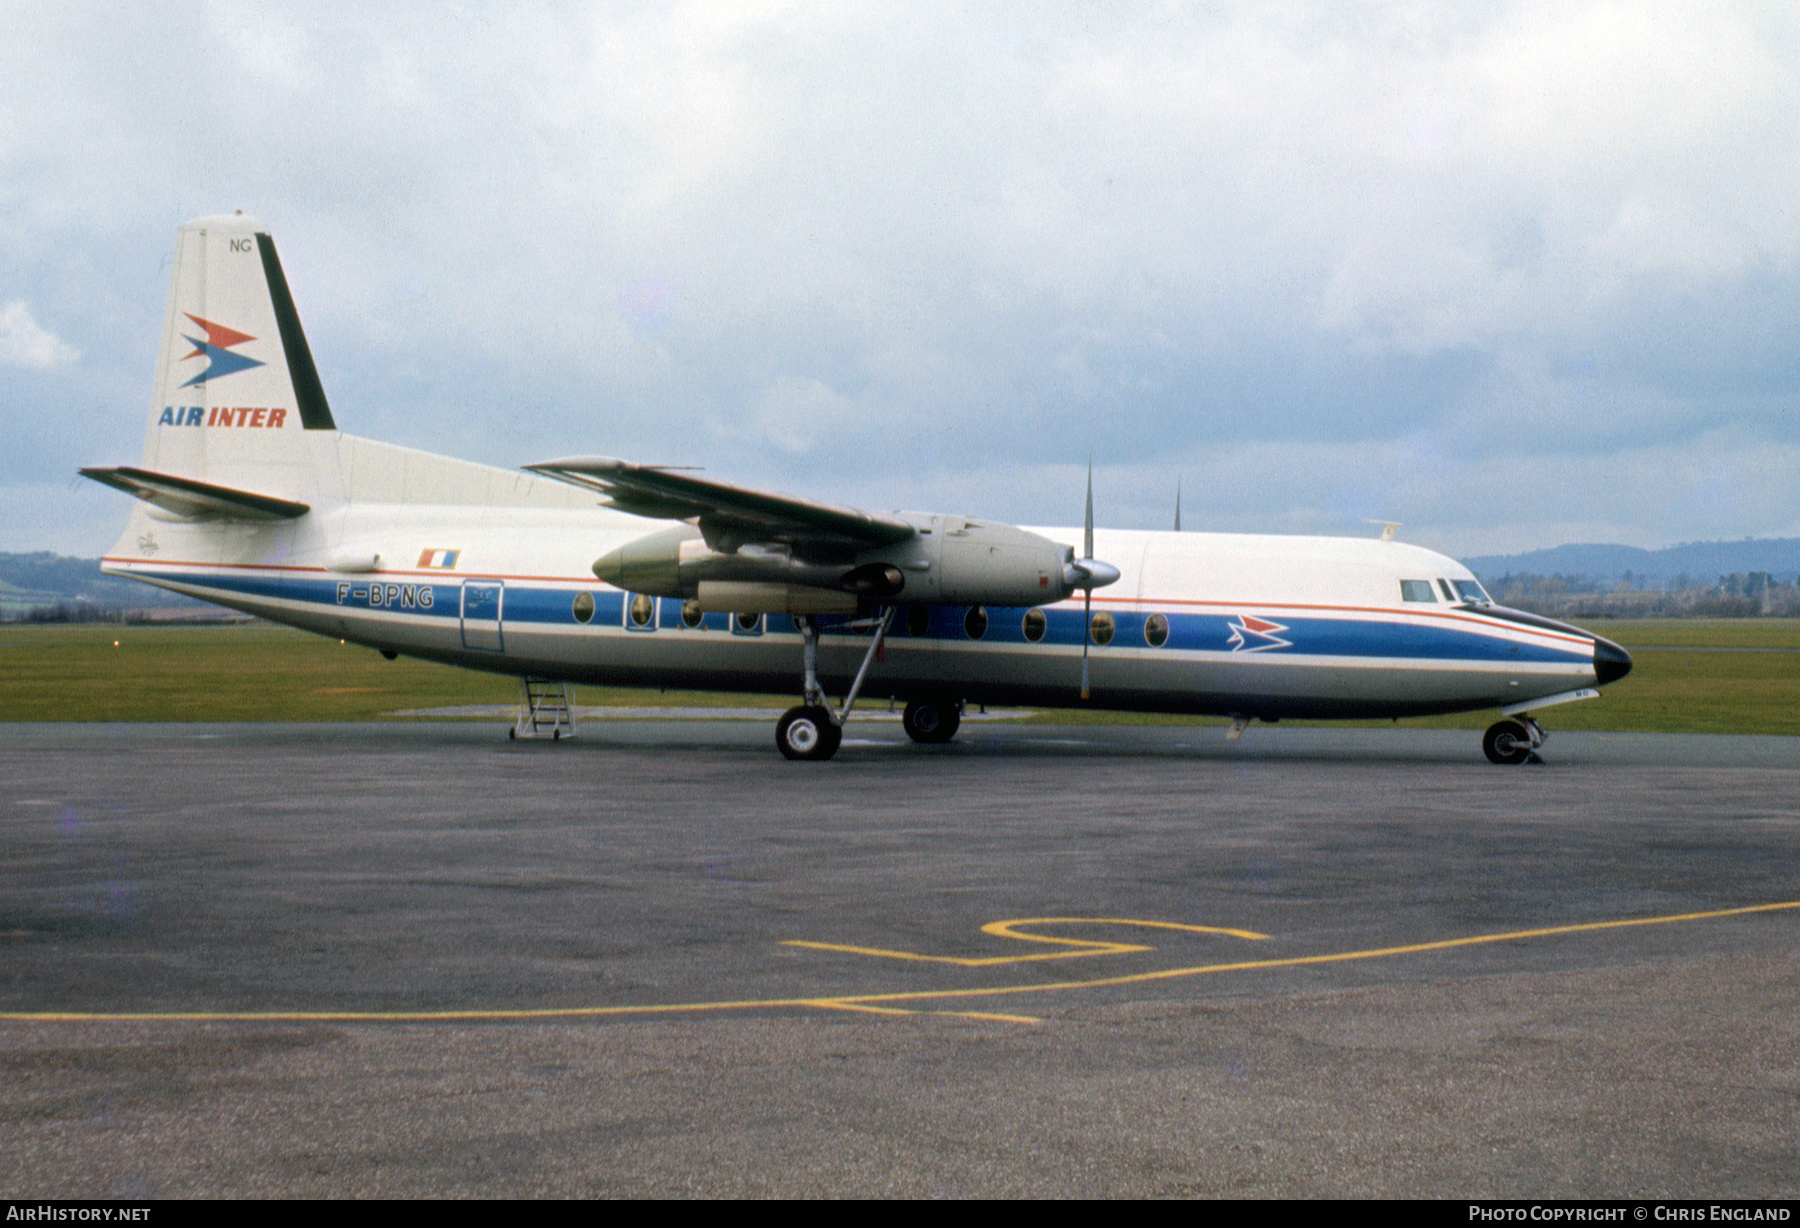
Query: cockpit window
column 1471, row 591
column 1445, row 585
column 1416, row 590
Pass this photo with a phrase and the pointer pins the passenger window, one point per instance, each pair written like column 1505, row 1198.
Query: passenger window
column 1102, row 628
column 1416, row 590
column 1156, row 630
column 1035, row 625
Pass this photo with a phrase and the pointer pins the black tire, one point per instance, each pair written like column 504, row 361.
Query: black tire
column 1506, row 742
column 808, row 733
column 931, row 720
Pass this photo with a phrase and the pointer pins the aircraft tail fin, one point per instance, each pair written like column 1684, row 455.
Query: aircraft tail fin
column 240, row 428
column 236, row 386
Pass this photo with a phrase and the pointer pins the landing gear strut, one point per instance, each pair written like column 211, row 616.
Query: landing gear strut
column 1514, row 741
column 814, row 730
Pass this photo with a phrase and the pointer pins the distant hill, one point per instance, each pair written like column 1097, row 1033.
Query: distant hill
column 31, row 582
column 43, row 580
column 1701, row 562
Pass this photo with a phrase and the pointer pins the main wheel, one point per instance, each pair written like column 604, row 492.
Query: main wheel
column 808, row 733
column 931, row 720
column 1506, row 742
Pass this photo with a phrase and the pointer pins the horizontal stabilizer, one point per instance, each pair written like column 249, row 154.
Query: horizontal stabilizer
column 186, row 497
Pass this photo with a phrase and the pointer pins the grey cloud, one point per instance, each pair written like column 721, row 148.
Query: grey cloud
column 1426, row 262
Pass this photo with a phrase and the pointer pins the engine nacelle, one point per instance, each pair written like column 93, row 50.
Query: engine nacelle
column 951, row 560
column 998, row 564
column 739, row 597
column 649, row 564
column 677, row 561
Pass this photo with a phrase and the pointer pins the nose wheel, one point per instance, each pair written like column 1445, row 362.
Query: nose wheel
column 1513, row 741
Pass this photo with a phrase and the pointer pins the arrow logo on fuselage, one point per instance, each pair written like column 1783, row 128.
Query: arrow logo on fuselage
column 217, row 347
column 1249, row 625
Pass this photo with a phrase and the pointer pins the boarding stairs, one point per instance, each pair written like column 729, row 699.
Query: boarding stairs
column 546, row 710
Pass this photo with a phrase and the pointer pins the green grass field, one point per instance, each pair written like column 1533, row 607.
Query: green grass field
column 1681, row 682
column 247, row 673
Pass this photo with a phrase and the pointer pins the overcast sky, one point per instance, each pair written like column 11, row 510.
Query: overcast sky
column 1512, row 274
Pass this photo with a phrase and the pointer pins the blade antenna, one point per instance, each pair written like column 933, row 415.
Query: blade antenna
column 1178, row 503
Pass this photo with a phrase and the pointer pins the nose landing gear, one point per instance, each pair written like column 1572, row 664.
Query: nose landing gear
column 1514, row 741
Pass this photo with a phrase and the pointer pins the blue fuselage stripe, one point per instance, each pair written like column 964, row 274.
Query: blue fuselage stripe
column 535, row 605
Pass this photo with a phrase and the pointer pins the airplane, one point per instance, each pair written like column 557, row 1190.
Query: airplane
column 593, row 570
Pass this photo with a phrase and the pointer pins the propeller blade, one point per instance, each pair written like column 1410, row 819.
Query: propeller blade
column 1087, row 540
column 1087, row 637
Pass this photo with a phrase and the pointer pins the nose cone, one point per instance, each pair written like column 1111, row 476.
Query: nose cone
column 1611, row 662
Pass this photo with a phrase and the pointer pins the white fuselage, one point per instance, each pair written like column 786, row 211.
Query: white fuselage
column 498, row 576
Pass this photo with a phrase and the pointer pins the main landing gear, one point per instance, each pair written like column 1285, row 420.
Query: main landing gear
column 808, row 732
column 814, row 730
column 1514, row 741
column 931, row 720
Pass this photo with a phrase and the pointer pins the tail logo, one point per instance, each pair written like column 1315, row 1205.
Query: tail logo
column 217, row 348
column 1269, row 633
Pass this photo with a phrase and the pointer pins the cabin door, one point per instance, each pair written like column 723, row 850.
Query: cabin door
column 483, row 602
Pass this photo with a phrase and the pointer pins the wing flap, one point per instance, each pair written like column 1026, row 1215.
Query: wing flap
column 738, row 513
column 186, row 497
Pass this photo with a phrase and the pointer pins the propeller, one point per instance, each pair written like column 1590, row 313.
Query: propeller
column 1088, row 573
column 1087, row 599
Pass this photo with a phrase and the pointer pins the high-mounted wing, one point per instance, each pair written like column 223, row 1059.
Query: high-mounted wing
column 728, row 516
column 186, row 497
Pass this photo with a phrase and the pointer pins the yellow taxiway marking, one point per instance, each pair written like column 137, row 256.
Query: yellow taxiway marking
column 1079, row 947
column 1298, row 961
column 879, row 1003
